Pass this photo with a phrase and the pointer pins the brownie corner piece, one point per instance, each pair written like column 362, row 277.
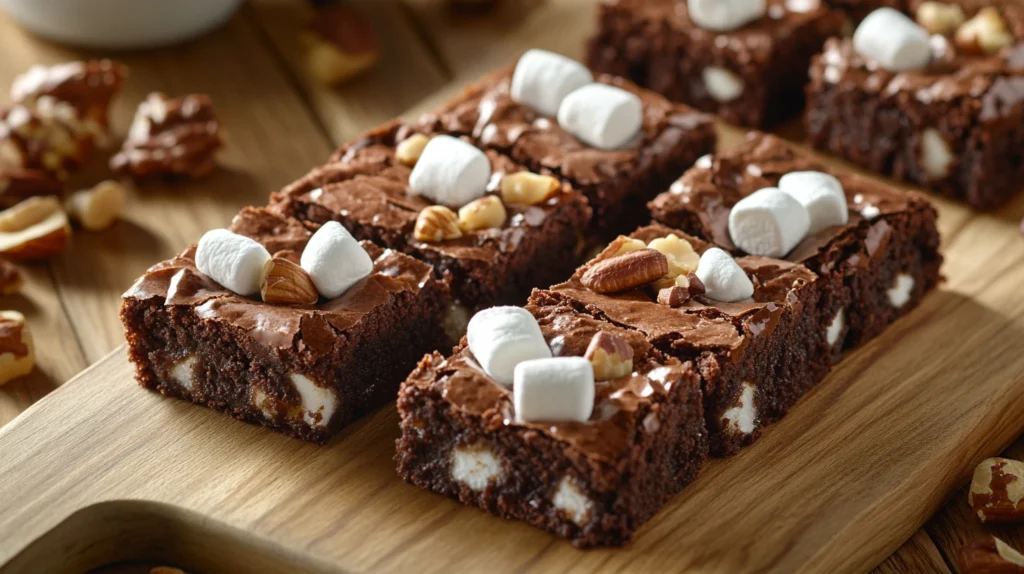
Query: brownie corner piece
column 303, row 370
column 595, row 482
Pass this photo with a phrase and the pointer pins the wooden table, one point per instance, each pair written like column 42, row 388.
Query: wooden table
column 281, row 123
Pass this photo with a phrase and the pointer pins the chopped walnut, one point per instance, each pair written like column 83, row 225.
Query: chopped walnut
column 88, row 87
column 170, row 138
column 47, row 136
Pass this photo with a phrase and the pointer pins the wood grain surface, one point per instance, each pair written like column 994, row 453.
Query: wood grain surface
column 846, row 479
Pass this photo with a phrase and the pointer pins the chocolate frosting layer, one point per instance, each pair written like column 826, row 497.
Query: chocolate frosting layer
column 618, row 404
column 702, row 324
column 281, row 327
column 369, row 187
column 706, row 193
column 487, row 113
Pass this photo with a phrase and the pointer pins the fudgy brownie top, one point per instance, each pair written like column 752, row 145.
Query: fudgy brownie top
column 367, row 184
column 318, row 327
column 618, row 404
column 708, row 191
column 990, row 86
column 701, row 324
column 487, row 112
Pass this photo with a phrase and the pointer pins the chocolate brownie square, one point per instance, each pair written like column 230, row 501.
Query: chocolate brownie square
column 305, row 370
column 881, row 262
column 750, row 76
column 366, row 188
column 594, row 482
column 955, row 127
column 617, row 182
column 756, row 357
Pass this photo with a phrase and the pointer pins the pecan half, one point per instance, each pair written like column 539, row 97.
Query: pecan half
column 625, row 272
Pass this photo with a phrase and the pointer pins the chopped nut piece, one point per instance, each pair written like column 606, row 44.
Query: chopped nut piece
column 17, row 353
column 488, row 212
column 686, row 287
column 88, row 87
column 623, row 245
column 287, row 283
column 47, row 136
column 990, row 555
column 682, row 259
column 410, row 149
column 625, row 272
column 10, row 278
column 98, row 208
column 997, row 490
column 986, row 33
column 340, row 45
column 34, row 229
column 527, row 188
column 939, row 17
column 170, row 138
column 17, row 185
column 611, row 356
column 437, row 223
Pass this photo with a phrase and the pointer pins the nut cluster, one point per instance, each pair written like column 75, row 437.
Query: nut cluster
column 170, row 138
column 666, row 264
column 985, row 34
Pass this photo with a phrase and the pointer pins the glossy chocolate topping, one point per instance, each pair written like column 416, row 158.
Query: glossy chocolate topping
column 178, row 282
column 701, row 324
column 369, row 187
column 487, row 113
column 708, row 191
column 612, row 427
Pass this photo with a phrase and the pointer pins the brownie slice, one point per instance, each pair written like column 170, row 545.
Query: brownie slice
column 756, row 358
column 616, row 182
column 306, row 371
column 366, row 188
column 752, row 76
column 956, row 127
column 881, row 263
column 593, row 482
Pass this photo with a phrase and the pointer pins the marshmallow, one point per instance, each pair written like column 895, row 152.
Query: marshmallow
column 334, row 260
column 723, row 278
column 901, row 290
column 725, row 15
column 235, row 261
column 821, row 195
column 936, row 155
column 542, row 79
column 557, row 389
column 502, row 337
column 893, row 40
column 768, row 222
column 722, row 85
column 450, row 172
column 602, row 116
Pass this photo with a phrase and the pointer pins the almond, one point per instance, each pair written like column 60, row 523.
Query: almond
column 437, row 223
column 990, row 555
column 528, row 188
column 485, row 213
column 611, row 356
column 626, row 272
column 286, row 283
column 997, row 490
column 34, row 229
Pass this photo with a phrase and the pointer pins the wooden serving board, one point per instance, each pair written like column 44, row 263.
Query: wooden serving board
column 853, row 471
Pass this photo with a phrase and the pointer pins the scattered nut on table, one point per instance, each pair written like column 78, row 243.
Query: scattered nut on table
column 339, row 44
column 97, row 208
column 36, row 228
column 437, row 223
column 17, row 353
column 989, row 555
column 997, row 490
column 47, row 136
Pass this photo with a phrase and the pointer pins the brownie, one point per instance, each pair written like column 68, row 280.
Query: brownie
column 306, row 371
column 756, row 358
column 657, row 45
column 367, row 189
column 594, row 482
column 955, row 127
column 880, row 263
column 616, row 182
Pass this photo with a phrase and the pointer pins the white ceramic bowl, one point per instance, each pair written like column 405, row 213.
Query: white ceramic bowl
column 120, row 23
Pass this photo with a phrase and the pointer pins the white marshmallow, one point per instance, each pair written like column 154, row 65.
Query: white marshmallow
column 542, row 79
column 768, row 222
column 742, row 418
column 316, row 400
column 821, row 195
column 893, row 40
column 723, row 278
column 235, row 261
column 571, row 500
column 835, row 328
column 725, row 15
column 183, row 372
column 335, row 260
column 899, row 293
column 602, row 116
column 450, row 172
column 502, row 337
column 475, row 466
column 722, row 85
column 557, row 389
column 936, row 155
